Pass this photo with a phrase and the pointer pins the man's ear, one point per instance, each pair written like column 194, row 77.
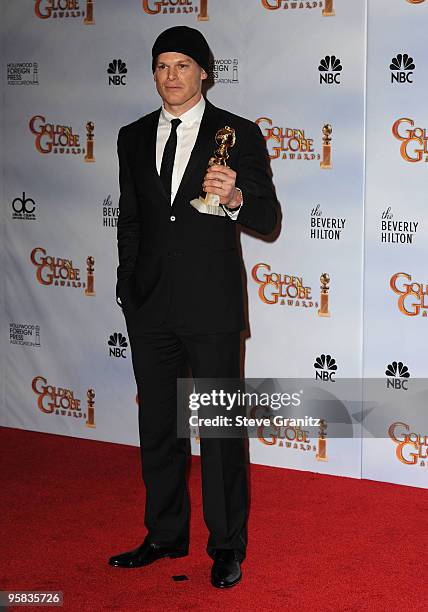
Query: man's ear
column 203, row 75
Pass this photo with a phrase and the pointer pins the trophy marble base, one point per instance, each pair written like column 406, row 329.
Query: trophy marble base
column 209, row 205
column 323, row 314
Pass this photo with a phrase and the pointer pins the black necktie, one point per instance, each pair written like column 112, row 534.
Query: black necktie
column 169, row 156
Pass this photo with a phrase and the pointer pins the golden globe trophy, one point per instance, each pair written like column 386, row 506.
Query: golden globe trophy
column 90, row 261
column 325, row 163
column 89, row 17
column 89, row 157
column 90, row 418
column 322, row 441
column 203, row 10
column 323, row 310
column 328, row 10
column 210, row 204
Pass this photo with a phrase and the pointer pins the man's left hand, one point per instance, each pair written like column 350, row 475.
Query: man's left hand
column 220, row 180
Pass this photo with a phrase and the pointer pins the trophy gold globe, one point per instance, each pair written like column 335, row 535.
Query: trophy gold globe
column 210, row 203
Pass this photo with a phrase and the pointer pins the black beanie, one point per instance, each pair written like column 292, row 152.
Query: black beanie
column 181, row 39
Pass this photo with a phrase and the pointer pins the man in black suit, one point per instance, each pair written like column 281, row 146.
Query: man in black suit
column 179, row 284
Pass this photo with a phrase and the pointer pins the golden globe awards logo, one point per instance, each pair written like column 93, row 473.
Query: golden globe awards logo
column 284, row 289
column 59, row 9
column 412, row 448
column 327, row 6
column 293, row 437
column 414, row 140
column 62, row 401
column 294, row 144
column 61, row 272
column 413, row 300
column 289, row 290
column 177, row 7
column 61, row 139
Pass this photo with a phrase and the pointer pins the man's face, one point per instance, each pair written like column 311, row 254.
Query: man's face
column 178, row 80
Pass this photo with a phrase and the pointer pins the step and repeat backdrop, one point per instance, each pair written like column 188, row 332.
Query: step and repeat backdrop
column 339, row 293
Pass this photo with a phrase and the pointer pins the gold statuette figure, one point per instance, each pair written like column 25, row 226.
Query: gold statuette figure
column 90, row 418
column 322, row 441
column 89, row 157
column 210, row 204
column 328, row 10
column 325, row 163
column 323, row 310
column 90, row 267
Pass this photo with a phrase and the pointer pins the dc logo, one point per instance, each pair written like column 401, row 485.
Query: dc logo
column 397, row 374
column 23, row 205
column 330, row 69
column 325, row 368
column 402, row 68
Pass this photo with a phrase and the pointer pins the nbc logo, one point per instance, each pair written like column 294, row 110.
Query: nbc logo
column 118, row 344
column 117, row 71
column 325, row 368
column 402, row 68
column 330, row 69
column 397, row 374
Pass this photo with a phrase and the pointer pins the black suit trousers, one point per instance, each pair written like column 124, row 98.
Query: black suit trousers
column 159, row 358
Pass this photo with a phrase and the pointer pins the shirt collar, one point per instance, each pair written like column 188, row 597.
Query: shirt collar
column 193, row 115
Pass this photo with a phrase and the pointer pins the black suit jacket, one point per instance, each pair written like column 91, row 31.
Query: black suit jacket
column 173, row 257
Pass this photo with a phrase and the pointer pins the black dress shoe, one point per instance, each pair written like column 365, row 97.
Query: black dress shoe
column 226, row 570
column 145, row 554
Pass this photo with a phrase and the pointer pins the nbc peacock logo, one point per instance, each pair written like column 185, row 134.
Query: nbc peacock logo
column 118, row 345
column 402, row 67
column 397, row 375
column 117, row 72
column 325, row 368
column 330, row 68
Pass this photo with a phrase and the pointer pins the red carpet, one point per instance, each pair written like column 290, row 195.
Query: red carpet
column 316, row 542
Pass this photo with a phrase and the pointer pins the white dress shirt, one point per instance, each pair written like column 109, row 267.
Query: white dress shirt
column 187, row 133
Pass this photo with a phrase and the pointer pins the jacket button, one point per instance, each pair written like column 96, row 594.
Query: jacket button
column 172, row 218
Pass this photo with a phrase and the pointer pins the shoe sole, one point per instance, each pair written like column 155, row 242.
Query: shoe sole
column 226, row 586
column 166, row 556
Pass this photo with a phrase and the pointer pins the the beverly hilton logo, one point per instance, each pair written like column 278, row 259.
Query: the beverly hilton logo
column 177, row 7
column 290, row 290
column 412, row 448
column 60, row 272
column 59, row 138
column 293, row 144
column 327, row 6
column 63, row 402
column 413, row 300
column 414, row 141
column 59, row 9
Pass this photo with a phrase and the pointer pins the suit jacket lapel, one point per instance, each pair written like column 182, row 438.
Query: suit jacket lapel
column 147, row 156
column 202, row 151
column 198, row 161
